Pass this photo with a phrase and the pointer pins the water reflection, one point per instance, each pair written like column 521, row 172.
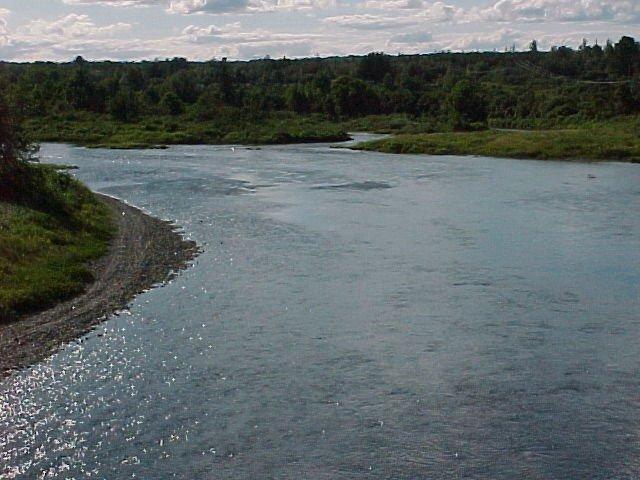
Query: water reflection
column 354, row 315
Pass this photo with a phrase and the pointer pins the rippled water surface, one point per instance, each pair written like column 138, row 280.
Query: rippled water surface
column 354, row 315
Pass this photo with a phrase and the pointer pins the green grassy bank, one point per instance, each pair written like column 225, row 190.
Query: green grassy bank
column 570, row 138
column 614, row 140
column 50, row 227
column 103, row 131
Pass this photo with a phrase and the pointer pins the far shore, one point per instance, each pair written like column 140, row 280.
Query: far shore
column 607, row 140
column 578, row 144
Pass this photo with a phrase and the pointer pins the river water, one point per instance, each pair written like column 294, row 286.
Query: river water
column 354, row 315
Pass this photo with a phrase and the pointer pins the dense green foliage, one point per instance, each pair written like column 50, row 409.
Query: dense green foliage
column 175, row 101
column 104, row 131
column 50, row 226
column 43, row 251
column 613, row 140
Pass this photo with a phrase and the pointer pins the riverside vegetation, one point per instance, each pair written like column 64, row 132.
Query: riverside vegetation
column 612, row 140
column 50, row 227
column 582, row 103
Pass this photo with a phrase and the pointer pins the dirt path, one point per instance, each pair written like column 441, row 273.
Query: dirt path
column 144, row 252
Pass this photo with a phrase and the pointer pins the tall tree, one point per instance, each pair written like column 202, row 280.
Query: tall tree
column 14, row 149
column 374, row 66
column 468, row 103
column 626, row 53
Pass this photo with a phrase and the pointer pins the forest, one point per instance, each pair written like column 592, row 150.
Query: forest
column 175, row 101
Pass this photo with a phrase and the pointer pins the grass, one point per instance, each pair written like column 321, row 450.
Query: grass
column 614, row 140
column 573, row 138
column 103, row 131
column 47, row 237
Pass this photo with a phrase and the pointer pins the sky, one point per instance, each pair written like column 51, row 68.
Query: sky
column 60, row 30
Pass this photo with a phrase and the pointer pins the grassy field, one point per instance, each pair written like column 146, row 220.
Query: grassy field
column 615, row 140
column 48, row 232
column 102, row 131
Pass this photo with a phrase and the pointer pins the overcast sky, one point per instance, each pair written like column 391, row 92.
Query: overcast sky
column 244, row 29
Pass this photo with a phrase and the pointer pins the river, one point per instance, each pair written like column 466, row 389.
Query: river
column 354, row 315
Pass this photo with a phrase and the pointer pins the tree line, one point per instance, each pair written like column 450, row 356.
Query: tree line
column 461, row 90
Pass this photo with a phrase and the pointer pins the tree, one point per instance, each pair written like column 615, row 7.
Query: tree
column 227, row 90
column 183, row 84
column 353, row 97
column 625, row 55
column 626, row 102
column 81, row 91
column 171, row 104
column 209, row 103
column 533, row 46
column 14, row 150
column 374, row 66
column 125, row 106
column 429, row 104
column 296, row 99
column 468, row 103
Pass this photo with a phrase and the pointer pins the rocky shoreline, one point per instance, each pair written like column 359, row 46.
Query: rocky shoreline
column 144, row 252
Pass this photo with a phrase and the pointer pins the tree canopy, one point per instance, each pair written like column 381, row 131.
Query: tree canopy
column 588, row 82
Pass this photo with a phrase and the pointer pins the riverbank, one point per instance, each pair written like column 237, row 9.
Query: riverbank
column 617, row 141
column 102, row 131
column 143, row 251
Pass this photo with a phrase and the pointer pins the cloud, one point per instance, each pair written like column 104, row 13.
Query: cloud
column 560, row 11
column 627, row 11
column 393, row 4
column 232, row 34
column 431, row 12
column 369, row 22
column 410, row 38
column 116, row 3
column 4, row 13
column 497, row 40
column 442, row 12
column 71, row 26
column 328, row 27
column 187, row 7
column 210, row 34
column 72, row 34
column 275, row 49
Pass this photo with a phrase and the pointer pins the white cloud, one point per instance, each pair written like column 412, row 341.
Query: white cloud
column 188, row 7
column 304, row 27
column 442, row 12
column 195, row 33
column 275, row 49
column 369, row 22
column 498, row 40
column 410, row 38
column 72, row 34
column 560, row 11
column 116, row 3
column 207, row 6
column 431, row 12
column 71, row 26
column 4, row 13
column 257, row 40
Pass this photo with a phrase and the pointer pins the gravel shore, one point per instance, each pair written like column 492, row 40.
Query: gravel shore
column 145, row 251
